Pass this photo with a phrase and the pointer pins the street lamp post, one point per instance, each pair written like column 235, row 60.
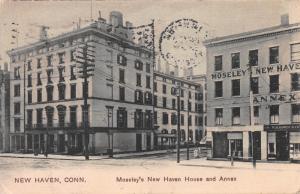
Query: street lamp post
column 178, row 122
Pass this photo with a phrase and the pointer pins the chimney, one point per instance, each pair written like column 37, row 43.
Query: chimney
column 116, row 18
column 284, row 19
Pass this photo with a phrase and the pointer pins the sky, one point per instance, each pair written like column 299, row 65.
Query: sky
column 220, row 18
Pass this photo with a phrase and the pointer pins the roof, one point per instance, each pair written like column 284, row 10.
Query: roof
column 175, row 78
column 252, row 34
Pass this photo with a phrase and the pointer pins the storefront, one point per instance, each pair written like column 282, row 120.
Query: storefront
column 283, row 142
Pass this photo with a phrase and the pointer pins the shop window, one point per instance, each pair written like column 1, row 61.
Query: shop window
column 235, row 84
column 295, row 52
column 236, row 115
column 274, row 83
column 236, row 148
column 296, row 113
column 218, row 89
column 254, row 85
column 235, row 60
column 274, row 114
column 253, row 58
column 295, row 151
column 219, row 116
column 218, row 63
column 165, row 118
column 274, row 55
column 295, row 80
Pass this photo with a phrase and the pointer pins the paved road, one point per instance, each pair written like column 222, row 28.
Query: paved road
column 155, row 174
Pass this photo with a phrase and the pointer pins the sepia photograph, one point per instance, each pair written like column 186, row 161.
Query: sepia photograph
column 149, row 96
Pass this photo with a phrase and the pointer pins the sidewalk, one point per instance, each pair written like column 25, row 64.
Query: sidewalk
column 260, row 165
column 80, row 157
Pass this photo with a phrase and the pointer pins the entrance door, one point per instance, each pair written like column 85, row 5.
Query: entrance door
column 61, row 143
column 282, row 145
column 138, row 142
column 148, row 142
column 257, row 145
column 220, row 145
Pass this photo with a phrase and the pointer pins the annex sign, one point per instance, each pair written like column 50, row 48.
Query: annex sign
column 256, row 71
column 275, row 98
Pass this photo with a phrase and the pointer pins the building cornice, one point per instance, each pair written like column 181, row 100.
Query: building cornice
column 156, row 73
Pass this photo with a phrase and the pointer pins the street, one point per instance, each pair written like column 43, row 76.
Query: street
column 150, row 174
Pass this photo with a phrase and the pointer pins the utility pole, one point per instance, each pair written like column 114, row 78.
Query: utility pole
column 178, row 121
column 188, row 129
column 251, row 115
column 86, row 64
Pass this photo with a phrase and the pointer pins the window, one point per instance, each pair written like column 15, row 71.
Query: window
column 182, row 119
column 85, row 89
column 295, row 52
column 72, row 72
column 29, row 97
column 236, row 115
column 253, row 57
column 138, row 118
column 121, row 118
column 148, row 119
column 17, row 73
column 39, row 80
column 164, row 89
column 218, row 63
column 61, row 115
column 155, row 86
column 148, row 81
column 29, row 81
column 190, row 120
column 122, row 76
column 49, row 89
column 148, row 98
column 17, row 90
column 219, row 116
column 274, row 114
column 155, row 117
column 39, row 63
column 164, row 102
column 122, row 93
column 254, row 85
column 173, row 119
column 73, row 116
column 17, row 108
column 274, row 83
column 121, row 60
column 274, row 55
column 235, row 60
column 190, row 106
column 174, row 103
column 110, row 73
column 72, row 55
column 139, row 97
column 109, row 116
column 148, row 67
column 296, row 113
column 182, row 105
column 61, row 58
column 29, row 66
column 49, row 60
column 256, row 114
column 61, row 91
column 49, row 73
column 138, row 80
column 295, row 80
column 165, row 118
column 139, row 65
column 73, row 91
column 61, row 71
column 39, row 117
column 235, row 87
column 155, row 100
column 190, row 95
column 39, row 95
column 17, row 122
column 182, row 93
column 218, row 89
column 29, row 118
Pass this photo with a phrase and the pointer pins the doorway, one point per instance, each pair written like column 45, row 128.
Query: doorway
column 282, row 145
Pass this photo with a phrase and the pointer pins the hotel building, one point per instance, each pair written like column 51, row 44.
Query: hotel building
column 265, row 125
